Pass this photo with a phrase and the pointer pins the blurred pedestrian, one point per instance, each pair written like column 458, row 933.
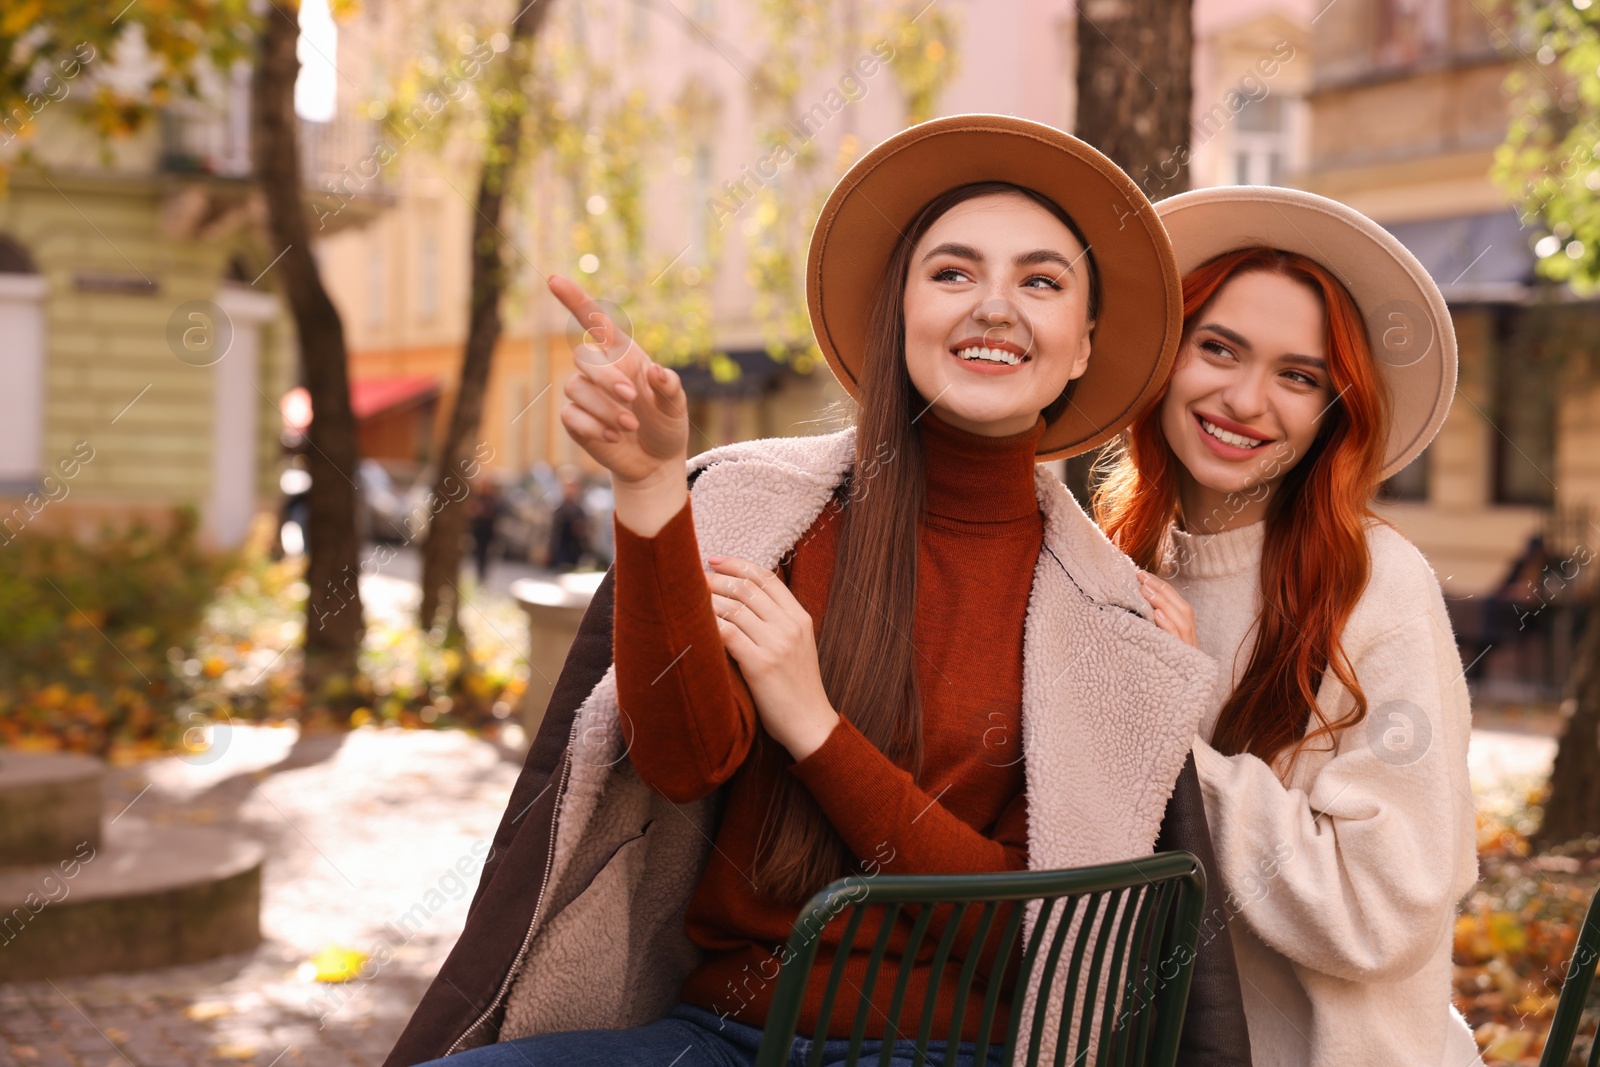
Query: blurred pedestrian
column 483, row 508
column 569, row 526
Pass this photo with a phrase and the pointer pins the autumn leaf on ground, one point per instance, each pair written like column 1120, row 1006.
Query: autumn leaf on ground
column 337, row 963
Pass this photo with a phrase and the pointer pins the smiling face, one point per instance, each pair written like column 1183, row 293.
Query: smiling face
column 996, row 313
column 1248, row 395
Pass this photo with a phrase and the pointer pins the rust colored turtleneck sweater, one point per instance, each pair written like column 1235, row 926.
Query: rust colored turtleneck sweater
column 689, row 723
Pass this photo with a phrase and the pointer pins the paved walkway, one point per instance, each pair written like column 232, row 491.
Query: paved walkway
column 361, row 830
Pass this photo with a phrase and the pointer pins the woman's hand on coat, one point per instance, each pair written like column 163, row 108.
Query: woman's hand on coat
column 772, row 638
column 629, row 413
column 1172, row 613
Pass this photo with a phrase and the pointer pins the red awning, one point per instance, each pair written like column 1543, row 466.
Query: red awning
column 374, row 396
column 368, row 397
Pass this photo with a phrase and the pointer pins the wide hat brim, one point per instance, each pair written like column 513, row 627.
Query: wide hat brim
column 1408, row 324
column 1140, row 323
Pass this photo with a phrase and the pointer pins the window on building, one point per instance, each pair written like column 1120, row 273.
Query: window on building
column 428, row 276
column 377, row 282
column 701, row 199
column 22, row 324
column 1408, row 31
column 1261, row 141
column 1523, row 409
column 1410, row 483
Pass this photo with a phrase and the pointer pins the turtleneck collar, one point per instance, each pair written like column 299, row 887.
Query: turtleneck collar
column 974, row 478
column 1220, row 554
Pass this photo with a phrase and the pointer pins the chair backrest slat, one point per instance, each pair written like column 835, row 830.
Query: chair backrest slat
column 902, row 982
column 841, row 959
column 858, row 1033
column 1575, row 986
column 1116, row 983
column 930, row 997
column 1121, row 994
column 969, row 967
column 1069, row 994
column 1135, row 1039
column 1117, row 904
column 1052, row 958
column 991, row 996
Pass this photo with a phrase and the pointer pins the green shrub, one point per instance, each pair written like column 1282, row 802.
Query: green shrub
column 85, row 629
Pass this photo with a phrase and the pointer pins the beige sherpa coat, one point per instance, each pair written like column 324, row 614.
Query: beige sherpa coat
column 1110, row 706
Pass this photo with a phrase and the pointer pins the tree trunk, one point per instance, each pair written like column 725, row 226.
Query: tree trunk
column 333, row 609
column 1134, row 91
column 441, row 553
column 1573, row 808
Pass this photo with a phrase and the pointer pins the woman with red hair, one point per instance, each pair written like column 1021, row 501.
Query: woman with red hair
column 1317, row 359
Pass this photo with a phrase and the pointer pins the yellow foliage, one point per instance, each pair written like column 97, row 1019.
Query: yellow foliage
column 338, row 964
column 1500, row 1043
column 20, row 15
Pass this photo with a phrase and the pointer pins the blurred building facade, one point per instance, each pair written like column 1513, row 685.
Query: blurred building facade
column 402, row 281
column 144, row 346
column 1392, row 106
column 1406, row 112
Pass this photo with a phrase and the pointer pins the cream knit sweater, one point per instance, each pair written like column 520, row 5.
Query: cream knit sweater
column 1346, row 876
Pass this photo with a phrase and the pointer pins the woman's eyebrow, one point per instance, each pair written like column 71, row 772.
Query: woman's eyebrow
column 953, row 248
column 1026, row 259
column 1232, row 335
column 1045, row 255
column 1239, row 340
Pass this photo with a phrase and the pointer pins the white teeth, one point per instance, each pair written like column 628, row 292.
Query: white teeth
column 1236, row 440
column 992, row 355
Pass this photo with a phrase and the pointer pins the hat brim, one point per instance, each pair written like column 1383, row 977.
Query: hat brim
column 1137, row 332
column 1408, row 324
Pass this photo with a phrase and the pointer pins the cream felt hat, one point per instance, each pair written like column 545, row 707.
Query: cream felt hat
column 1140, row 323
column 1408, row 324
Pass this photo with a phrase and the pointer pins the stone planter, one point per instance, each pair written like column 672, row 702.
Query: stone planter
column 77, row 898
column 554, row 607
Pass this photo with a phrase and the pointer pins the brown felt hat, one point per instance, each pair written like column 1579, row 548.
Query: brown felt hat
column 1409, row 330
column 1140, row 323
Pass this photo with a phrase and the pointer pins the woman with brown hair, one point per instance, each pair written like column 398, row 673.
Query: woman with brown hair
column 1318, row 358
column 901, row 647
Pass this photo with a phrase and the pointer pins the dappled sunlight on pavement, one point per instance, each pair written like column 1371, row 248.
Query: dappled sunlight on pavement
column 375, row 841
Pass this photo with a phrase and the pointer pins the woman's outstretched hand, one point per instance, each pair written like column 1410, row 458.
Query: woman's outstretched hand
column 1172, row 613
column 629, row 413
column 771, row 637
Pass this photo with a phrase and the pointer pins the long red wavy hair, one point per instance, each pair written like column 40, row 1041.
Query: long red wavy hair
column 1315, row 563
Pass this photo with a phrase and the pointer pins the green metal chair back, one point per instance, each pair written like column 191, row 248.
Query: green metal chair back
column 1575, row 988
column 1123, row 983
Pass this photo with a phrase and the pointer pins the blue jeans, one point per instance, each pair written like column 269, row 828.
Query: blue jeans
column 689, row 1036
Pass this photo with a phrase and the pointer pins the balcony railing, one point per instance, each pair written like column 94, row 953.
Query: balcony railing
column 214, row 139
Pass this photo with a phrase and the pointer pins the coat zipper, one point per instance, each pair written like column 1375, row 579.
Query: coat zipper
column 527, row 939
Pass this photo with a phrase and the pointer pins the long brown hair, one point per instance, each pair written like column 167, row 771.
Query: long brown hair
column 1315, row 562
column 864, row 643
